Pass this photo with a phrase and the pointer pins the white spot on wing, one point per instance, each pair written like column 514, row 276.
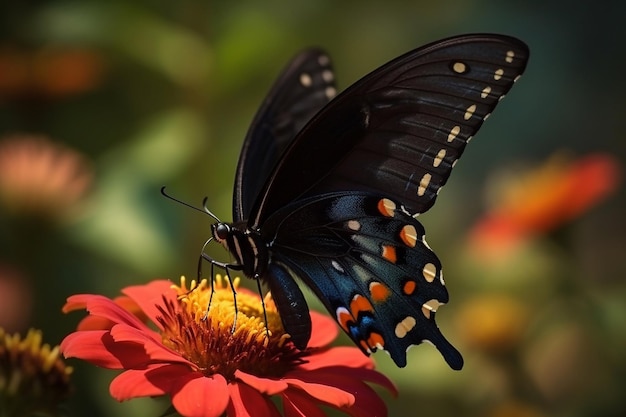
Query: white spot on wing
column 306, row 80
column 337, row 267
column 439, row 158
column 454, row 133
column 405, row 326
column 469, row 112
column 459, row 67
column 421, row 190
column 354, row 225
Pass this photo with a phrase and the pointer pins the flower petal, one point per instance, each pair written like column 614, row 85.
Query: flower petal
column 245, row 401
column 263, row 385
column 366, row 402
column 99, row 348
column 329, row 376
column 345, row 355
column 195, row 395
column 324, row 330
column 322, row 391
column 150, row 295
column 155, row 350
column 98, row 305
column 153, row 381
column 296, row 404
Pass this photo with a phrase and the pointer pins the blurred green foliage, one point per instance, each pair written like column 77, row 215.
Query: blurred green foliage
column 155, row 93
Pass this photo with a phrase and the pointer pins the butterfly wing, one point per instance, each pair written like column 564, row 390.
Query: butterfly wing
column 399, row 130
column 366, row 258
column 303, row 88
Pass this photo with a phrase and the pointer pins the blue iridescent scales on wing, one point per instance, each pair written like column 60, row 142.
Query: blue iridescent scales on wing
column 327, row 188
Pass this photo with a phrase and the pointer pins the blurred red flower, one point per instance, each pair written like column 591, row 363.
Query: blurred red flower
column 208, row 369
column 543, row 199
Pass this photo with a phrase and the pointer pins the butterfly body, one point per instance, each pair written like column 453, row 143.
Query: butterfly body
column 327, row 188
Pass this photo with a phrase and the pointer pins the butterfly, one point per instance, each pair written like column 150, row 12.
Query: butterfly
column 328, row 187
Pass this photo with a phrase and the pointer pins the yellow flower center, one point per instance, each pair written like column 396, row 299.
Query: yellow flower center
column 205, row 328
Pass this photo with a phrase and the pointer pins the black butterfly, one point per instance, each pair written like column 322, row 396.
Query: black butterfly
column 327, row 188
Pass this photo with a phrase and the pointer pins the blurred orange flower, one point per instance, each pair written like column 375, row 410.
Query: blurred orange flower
column 38, row 176
column 49, row 72
column 492, row 322
column 221, row 362
column 543, row 199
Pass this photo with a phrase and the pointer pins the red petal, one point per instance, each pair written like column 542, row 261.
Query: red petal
column 156, row 351
column 296, row 404
column 150, row 295
column 343, row 355
column 153, row 381
column 368, row 375
column 99, row 323
column 366, row 402
column 592, row 179
column 323, row 392
column 98, row 305
column 324, row 330
column 262, row 385
column 198, row 396
column 97, row 347
column 245, row 401
column 75, row 302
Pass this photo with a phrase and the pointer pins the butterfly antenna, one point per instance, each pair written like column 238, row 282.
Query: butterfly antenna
column 204, row 208
column 207, row 211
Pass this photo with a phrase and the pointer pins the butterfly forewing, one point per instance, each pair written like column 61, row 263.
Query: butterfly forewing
column 400, row 129
column 303, row 88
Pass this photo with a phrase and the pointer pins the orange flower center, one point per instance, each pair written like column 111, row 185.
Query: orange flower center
column 205, row 328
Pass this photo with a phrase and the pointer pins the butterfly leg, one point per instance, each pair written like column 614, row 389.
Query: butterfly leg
column 227, row 268
column 260, row 290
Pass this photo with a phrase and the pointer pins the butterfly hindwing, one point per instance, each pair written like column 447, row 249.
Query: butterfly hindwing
column 399, row 129
column 303, row 88
column 366, row 259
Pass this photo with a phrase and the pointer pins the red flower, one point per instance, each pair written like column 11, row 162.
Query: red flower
column 209, row 370
column 543, row 199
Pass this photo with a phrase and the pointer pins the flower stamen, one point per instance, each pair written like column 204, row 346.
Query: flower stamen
column 220, row 339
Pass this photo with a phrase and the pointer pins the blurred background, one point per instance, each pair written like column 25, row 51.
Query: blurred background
column 102, row 103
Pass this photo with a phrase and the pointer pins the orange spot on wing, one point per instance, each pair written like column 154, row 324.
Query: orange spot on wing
column 344, row 318
column 409, row 287
column 379, row 292
column 365, row 346
column 386, row 207
column 360, row 303
column 375, row 340
column 389, row 253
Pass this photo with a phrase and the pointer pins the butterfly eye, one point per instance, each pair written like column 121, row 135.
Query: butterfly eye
column 220, row 231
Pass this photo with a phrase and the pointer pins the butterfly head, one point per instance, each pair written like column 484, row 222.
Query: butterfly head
column 221, row 231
